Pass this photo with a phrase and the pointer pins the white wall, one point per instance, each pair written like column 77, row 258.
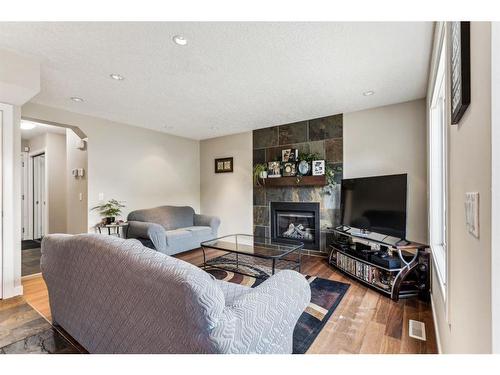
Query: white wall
column 56, row 172
column 228, row 195
column 11, row 202
column 19, row 82
column 142, row 167
column 35, row 144
column 468, row 327
column 391, row 140
column 495, row 188
column 76, row 187
column 19, row 78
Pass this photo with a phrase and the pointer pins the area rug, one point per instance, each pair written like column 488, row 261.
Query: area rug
column 325, row 297
column 30, row 244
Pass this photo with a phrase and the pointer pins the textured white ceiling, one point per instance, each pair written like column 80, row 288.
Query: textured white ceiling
column 231, row 77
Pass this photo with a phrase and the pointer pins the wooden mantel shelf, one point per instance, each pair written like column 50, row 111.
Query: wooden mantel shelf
column 294, row 181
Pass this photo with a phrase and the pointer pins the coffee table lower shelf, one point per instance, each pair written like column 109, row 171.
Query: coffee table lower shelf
column 252, row 266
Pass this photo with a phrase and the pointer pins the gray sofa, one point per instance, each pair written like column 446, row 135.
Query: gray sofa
column 117, row 296
column 171, row 229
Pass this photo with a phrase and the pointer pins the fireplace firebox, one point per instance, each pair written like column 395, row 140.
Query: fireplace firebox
column 292, row 221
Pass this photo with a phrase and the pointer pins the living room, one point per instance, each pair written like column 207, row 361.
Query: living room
column 262, row 134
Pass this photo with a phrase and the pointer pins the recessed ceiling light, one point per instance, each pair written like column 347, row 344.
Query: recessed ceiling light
column 117, row 77
column 180, row 40
column 27, row 125
column 369, row 93
column 76, row 99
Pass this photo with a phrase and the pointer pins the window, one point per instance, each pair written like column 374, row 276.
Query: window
column 438, row 166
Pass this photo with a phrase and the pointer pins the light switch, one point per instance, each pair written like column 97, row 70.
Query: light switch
column 101, row 196
column 472, row 213
column 80, row 196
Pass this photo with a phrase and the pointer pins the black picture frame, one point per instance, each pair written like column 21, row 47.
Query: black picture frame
column 224, row 165
column 460, row 69
column 273, row 169
column 289, row 169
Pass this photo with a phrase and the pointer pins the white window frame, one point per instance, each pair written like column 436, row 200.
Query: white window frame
column 438, row 167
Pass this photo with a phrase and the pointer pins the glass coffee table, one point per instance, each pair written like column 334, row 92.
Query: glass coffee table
column 252, row 255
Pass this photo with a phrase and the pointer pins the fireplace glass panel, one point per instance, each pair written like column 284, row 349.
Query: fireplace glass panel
column 296, row 225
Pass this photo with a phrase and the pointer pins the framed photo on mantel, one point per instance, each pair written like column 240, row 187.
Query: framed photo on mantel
column 460, row 69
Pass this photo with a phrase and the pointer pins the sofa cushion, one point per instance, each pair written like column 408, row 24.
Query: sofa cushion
column 170, row 217
column 199, row 230
column 177, row 235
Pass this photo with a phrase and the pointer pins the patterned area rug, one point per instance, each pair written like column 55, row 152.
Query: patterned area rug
column 325, row 297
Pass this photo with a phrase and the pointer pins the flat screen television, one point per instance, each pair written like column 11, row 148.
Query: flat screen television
column 375, row 204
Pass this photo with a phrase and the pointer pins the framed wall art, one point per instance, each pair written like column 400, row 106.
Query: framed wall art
column 224, row 165
column 460, row 69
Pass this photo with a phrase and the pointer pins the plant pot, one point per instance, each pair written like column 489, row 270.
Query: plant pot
column 263, row 174
column 109, row 220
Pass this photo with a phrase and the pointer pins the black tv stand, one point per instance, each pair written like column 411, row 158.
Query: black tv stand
column 403, row 242
column 402, row 272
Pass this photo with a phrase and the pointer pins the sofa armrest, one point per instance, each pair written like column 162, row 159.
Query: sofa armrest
column 154, row 232
column 207, row 221
column 263, row 319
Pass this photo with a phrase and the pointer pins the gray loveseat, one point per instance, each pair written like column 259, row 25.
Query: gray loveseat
column 171, row 229
column 117, row 296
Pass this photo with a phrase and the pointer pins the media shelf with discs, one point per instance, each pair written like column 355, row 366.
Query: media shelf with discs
column 394, row 267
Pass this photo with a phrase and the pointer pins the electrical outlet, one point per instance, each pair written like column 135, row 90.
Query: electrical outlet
column 472, row 213
column 101, row 196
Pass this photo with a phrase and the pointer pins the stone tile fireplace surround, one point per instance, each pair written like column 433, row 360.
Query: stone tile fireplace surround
column 322, row 136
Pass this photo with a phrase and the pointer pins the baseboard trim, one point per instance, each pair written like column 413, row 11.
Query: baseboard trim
column 436, row 328
column 32, row 276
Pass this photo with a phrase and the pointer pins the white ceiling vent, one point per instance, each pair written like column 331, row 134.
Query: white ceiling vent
column 417, row 330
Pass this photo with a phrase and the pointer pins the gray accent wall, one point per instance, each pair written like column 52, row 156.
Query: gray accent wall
column 323, row 136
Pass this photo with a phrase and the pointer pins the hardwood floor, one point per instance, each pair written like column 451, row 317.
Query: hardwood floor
column 30, row 261
column 364, row 322
column 35, row 294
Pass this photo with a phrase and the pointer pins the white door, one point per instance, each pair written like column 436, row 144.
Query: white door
column 38, row 196
column 25, row 231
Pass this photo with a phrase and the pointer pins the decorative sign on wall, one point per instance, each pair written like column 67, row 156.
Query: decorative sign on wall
column 460, row 69
column 224, row 165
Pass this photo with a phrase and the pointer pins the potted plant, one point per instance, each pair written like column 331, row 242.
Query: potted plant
column 109, row 210
column 259, row 172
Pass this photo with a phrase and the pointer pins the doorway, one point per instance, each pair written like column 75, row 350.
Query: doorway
column 53, row 197
column 33, row 207
column 38, row 199
column 33, row 196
